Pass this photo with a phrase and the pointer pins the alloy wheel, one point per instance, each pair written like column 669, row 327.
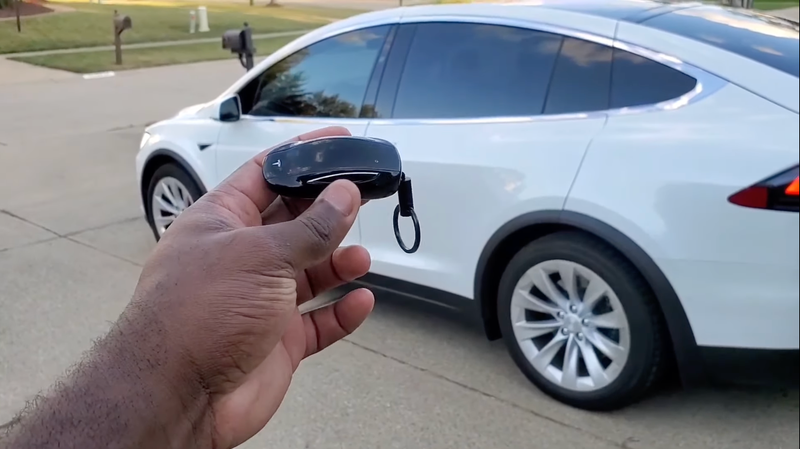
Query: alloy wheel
column 570, row 325
column 170, row 199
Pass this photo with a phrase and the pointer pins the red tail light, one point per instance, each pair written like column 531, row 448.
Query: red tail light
column 779, row 193
column 794, row 188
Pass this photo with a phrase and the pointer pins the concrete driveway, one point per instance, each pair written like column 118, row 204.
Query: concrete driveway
column 72, row 243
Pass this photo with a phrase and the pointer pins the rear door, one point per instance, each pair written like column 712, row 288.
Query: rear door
column 484, row 135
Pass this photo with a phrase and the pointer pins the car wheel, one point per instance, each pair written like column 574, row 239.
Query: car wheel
column 580, row 322
column 171, row 191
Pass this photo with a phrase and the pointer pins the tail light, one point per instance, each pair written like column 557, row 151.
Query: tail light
column 780, row 192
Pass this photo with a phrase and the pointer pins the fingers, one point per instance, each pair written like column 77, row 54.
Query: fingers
column 345, row 265
column 285, row 209
column 246, row 187
column 325, row 327
column 312, row 237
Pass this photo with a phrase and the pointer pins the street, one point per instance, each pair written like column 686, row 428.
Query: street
column 72, row 243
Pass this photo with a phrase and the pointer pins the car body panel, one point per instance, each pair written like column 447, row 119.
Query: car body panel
column 502, row 171
column 674, row 205
column 183, row 137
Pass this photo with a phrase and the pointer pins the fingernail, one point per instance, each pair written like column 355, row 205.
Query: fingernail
column 338, row 196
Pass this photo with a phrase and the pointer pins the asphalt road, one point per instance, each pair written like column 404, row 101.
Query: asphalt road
column 72, row 243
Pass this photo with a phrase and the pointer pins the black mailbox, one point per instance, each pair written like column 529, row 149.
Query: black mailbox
column 241, row 43
column 122, row 23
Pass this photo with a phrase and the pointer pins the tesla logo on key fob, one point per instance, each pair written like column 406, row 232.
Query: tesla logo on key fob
column 277, row 164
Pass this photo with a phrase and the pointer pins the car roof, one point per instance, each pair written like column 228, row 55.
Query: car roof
column 629, row 10
column 610, row 9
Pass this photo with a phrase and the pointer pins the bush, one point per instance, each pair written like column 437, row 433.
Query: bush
column 5, row 3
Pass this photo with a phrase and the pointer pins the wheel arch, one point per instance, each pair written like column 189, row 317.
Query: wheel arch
column 159, row 158
column 507, row 240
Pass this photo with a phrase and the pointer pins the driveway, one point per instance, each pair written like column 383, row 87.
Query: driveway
column 72, row 244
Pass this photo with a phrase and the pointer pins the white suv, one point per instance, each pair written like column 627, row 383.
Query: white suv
column 608, row 186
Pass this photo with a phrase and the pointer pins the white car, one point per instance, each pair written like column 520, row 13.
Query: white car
column 610, row 187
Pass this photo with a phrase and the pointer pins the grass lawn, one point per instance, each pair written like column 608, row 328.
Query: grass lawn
column 153, row 21
column 766, row 5
column 101, row 61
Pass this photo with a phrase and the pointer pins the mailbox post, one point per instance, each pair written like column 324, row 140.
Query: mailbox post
column 241, row 43
column 121, row 23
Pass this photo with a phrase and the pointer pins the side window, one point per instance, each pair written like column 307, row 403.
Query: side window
column 581, row 79
column 639, row 81
column 465, row 70
column 326, row 79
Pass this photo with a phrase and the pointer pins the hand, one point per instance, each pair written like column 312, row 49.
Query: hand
column 225, row 282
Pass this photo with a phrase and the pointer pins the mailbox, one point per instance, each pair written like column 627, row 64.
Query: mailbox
column 122, row 23
column 240, row 42
column 232, row 40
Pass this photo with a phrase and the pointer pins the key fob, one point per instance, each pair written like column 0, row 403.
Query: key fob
column 303, row 169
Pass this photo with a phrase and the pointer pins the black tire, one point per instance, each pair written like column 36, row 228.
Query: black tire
column 647, row 356
column 173, row 171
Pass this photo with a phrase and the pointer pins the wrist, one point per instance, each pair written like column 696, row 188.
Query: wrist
column 131, row 391
column 174, row 397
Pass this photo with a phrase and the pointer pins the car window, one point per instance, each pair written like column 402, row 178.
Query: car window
column 465, row 70
column 637, row 81
column 581, row 79
column 759, row 37
column 326, row 79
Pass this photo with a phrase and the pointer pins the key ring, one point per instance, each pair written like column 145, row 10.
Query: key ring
column 399, row 237
column 405, row 208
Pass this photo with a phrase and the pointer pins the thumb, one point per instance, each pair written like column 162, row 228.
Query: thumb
column 313, row 236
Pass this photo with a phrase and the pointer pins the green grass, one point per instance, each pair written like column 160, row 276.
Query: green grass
column 766, row 5
column 91, row 24
column 101, row 61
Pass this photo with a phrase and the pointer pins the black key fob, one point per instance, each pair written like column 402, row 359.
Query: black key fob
column 303, row 169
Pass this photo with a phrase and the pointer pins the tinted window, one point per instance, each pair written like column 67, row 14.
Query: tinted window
column 766, row 39
column 639, row 81
column 457, row 70
column 326, row 79
column 581, row 78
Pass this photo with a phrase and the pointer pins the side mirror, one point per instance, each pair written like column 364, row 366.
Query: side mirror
column 230, row 110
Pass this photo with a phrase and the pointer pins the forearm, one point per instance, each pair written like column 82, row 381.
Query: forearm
column 119, row 397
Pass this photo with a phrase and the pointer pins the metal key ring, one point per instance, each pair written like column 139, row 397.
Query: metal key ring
column 399, row 237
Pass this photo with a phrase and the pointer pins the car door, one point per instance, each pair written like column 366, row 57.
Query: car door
column 321, row 85
column 492, row 122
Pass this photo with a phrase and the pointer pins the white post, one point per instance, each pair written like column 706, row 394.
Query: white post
column 192, row 21
column 202, row 19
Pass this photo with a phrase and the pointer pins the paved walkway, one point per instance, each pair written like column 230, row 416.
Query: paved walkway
column 203, row 40
column 18, row 73
column 788, row 13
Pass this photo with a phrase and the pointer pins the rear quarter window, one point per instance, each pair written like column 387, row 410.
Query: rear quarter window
column 759, row 37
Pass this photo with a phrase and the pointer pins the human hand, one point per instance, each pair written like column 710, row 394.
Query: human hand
column 224, row 285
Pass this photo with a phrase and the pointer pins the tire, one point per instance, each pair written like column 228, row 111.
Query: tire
column 182, row 188
column 637, row 329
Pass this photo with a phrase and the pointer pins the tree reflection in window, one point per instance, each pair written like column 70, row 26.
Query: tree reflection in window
column 326, row 79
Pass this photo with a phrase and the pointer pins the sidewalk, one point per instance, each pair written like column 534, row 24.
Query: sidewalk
column 18, row 73
column 203, row 40
column 788, row 13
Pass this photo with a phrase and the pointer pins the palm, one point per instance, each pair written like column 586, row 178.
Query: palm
column 243, row 411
